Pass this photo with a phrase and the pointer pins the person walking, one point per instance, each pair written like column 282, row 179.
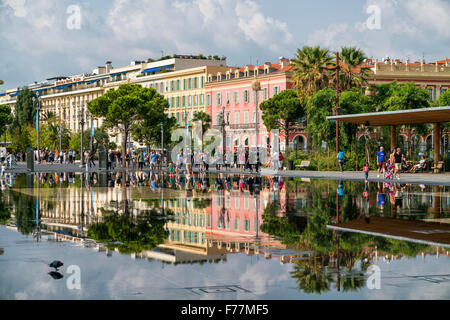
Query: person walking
column 341, row 159
column 366, row 171
column 381, row 162
column 399, row 157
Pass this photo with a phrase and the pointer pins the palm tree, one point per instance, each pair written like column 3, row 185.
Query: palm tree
column 205, row 120
column 311, row 70
column 46, row 116
column 352, row 58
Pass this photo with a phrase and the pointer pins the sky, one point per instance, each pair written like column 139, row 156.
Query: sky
column 40, row 39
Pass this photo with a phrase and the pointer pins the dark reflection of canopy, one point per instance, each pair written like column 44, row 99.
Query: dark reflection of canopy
column 128, row 233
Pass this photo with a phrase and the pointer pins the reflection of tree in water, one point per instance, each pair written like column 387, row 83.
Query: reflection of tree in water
column 311, row 279
column 24, row 208
column 133, row 233
column 316, row 273
column 5, row 215
column 287, row 227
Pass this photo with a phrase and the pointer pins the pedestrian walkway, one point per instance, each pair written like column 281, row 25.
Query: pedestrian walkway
column 406, row 178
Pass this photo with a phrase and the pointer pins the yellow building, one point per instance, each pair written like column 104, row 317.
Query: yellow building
column 185, row 91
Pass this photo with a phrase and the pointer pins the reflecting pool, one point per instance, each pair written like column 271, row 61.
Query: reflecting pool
column 161, row 236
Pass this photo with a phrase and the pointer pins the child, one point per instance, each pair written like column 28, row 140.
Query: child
column 366, row 171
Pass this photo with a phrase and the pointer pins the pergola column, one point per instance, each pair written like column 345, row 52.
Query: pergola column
column 393, row 137
column 437, row 144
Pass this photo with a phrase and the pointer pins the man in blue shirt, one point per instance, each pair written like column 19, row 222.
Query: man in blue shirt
column 381, row 161
column 154, row 158
column 341, row 158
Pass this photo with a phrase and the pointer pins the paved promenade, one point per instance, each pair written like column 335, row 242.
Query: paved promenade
column 406, row 178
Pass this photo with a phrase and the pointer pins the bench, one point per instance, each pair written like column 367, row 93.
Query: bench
column 303, row 164
column 438, row 168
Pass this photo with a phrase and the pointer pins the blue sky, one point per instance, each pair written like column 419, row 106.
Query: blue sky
column 37, row 44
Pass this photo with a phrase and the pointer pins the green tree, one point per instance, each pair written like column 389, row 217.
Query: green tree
column 406, row 96
column 125, row 107
column 205, row 122
column 311, row 70
column 353, row 75
column 444, row 99
column 319, row 107
column 148, row 131
column 5, row 118
column 101, row 140
column 21, row 139
column 24, row 110
column 283, row 111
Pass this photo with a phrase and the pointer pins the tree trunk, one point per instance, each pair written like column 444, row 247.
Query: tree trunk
column 286, row 141
column 124, row 145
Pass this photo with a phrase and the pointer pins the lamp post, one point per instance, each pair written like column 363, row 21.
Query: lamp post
column 162, row 144
column 223, row 123
column 256, row 86
column 38, row 109
column 337, row 109
column 81, row 116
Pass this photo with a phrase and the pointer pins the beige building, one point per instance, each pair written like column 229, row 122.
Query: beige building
column 67, row 97
column 434, row 76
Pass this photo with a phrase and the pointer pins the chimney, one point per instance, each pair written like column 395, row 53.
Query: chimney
column 284, row 62
column 108, row 66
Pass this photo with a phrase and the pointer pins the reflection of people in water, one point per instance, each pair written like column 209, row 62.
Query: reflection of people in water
column 341, row 188
column 398, row 198
column 381, row 196
column 365, row 202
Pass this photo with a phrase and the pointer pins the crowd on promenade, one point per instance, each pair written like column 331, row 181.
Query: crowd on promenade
column 389, row 166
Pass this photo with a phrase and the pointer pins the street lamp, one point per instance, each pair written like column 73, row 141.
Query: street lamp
column 81, row 117
column 223, row 123
column 256, row 86
column 38, row 109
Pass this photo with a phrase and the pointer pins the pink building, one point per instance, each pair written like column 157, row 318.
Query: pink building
column 232, row 93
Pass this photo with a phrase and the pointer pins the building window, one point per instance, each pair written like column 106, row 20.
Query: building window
column 228, row 98
column 219, row 99
column 275, row 91
column 196, row 83
column 246, row 117
column 236, row 97
column 245, row 96
column 208, row 99
column 202, row 99
column 202, row 82
column 184, row 101
column 178, row 102
column 190, row 101
column 236, row 117
column 266, row 94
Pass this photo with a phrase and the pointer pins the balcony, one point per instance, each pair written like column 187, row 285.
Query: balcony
column 243, row 126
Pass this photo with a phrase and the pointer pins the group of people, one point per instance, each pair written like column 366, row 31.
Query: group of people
column 136, row 159
column 390, row 166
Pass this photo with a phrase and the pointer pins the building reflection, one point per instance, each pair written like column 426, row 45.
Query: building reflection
column 213, row 216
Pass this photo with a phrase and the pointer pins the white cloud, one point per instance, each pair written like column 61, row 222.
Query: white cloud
column 407, row 30
column 431, row 14
column 18, row 6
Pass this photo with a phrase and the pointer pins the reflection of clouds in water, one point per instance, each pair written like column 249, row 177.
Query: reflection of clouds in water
column 261, row 276
column 395, row 283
